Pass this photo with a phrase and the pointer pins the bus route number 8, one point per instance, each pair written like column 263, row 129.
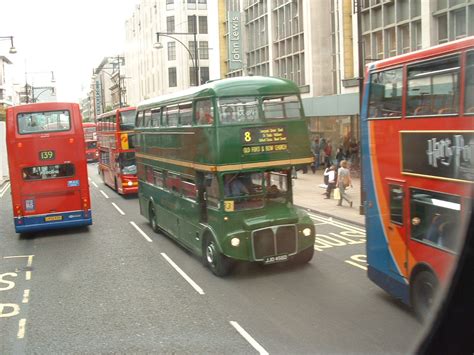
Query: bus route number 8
column 247, row 136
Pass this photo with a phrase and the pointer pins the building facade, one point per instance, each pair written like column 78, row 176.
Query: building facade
column 165, row 63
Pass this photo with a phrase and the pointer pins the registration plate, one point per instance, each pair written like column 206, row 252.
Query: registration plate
column 53, row 218
column 275, row 259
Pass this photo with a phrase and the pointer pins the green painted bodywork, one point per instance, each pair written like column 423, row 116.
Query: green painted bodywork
column 219, row 145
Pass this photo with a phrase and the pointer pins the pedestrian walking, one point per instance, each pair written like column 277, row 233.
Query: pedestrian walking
column 339, row 156
column 315, row 147
column 343, row 182
column 331, row 180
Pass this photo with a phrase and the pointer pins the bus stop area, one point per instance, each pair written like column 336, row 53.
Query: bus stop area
column 309, row 193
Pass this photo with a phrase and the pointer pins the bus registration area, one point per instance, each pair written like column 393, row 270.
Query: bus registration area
column 264, row 140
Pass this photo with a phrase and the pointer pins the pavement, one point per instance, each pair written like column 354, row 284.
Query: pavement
column 309, row 193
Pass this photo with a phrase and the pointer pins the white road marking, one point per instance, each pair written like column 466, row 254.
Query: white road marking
column 141, row 232
column 21, row 329
column 333, row 222
column 355, row 264
column 104, row 194
column 30, row 258
column 358, row 260
column 118, row 209
column 249, row 338
column 95, row 185
column 4, row 189
column 26, row 296
column 183, row 274
column 28, row 276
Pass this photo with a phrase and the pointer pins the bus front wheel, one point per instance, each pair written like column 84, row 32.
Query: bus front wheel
column 305, row 256
column 219, row 264
column 424, row 287
column 152, row 216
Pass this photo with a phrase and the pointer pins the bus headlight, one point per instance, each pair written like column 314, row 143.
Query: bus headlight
column 235, row 242
column 307, row 232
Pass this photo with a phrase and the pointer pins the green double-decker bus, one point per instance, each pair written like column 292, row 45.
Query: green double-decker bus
column 214, row 169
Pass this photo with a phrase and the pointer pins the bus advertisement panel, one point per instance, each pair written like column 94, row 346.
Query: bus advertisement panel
column 418, row 181
column 48, row 171
column 117, row 166
column 214, row 168
column 90, row 139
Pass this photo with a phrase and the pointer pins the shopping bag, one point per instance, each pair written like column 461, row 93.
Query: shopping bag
column 336, row 194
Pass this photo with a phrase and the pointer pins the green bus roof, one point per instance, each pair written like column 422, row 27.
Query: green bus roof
column 238, row 86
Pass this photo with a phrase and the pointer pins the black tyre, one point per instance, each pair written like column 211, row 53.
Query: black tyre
column 423, row 293
column 305, row 256
column 153, row 223
column 219, row 264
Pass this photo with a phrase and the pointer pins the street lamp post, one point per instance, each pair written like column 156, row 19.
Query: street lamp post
column 194, row 57
column 12, row 48
column 39, row 87
column 360, row 56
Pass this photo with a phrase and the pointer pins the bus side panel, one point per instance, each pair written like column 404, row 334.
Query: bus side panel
column 380, row 260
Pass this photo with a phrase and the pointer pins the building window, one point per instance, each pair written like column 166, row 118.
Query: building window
column 203, row 50
column 171, row 50
column 443, row 29
column 192, row 24
column 192, row 48
column 459, row 23
column 172, row 80
column 404, row 39
column 416, row 35
column 204, row 71
column 203, row 24
column 170, row 24
column 390, row 42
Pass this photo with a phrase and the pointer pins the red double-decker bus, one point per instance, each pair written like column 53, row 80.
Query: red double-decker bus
column 90, row 139
column 418, row 115
column 48, row 171
column 117, row 165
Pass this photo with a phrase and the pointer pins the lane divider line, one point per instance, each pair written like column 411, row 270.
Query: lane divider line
column 26, row 296
column 355, row 264
column 140, row 231
column 118, row 209
column 4, row 189
column 249, row 338
column 28, row 276
column 21, row 328
column 95, row 185
column 104, row 194
column 183, row 274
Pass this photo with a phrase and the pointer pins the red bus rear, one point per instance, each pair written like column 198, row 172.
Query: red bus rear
column 90, row 138
column 48, row 172
column 117, row 165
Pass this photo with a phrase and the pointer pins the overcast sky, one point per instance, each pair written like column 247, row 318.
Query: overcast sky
column 69, row 37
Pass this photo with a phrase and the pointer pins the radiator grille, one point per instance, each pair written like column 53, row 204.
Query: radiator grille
column 273, row 241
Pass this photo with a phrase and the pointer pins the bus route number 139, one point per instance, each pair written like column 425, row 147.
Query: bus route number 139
column 47, row 155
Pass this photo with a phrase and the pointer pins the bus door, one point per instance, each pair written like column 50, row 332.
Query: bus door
column 190, row 210
column 396, row 229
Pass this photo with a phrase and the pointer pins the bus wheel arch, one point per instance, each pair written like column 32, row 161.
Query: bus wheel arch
column 152, row 217
column 212, row 257
column 423, row 289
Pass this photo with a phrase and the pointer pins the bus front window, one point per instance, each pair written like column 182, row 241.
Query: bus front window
column 276, row 186
column 245, row 189
column 127, row 120
column 238, row 110
column 127, row 163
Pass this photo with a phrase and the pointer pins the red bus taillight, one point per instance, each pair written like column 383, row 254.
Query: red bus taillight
column 85, row 203
column 18, row 211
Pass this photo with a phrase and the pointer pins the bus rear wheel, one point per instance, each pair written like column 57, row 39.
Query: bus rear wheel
column 219, row 264
column 423, row 292
column 152, row 216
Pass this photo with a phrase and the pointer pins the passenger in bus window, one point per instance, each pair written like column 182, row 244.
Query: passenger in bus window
column 204, row 114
